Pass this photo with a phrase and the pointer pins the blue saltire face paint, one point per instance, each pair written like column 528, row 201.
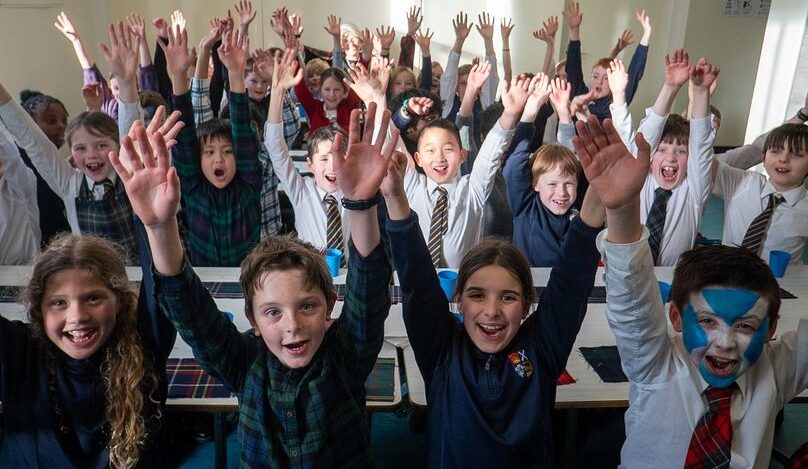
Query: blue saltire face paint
column 724, row 330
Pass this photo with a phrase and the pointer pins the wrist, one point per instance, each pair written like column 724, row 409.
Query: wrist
column 363, row 203
column 802, row 114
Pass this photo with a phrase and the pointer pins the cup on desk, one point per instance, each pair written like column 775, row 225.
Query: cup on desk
column 778, row 262
column 664, row 290
column 333, row 257
column 448, row 281
column 230, row 316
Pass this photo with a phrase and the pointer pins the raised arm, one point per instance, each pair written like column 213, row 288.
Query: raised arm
column 65, row 26
column 636, row 67
column 121, row 56
column 573, row 67
column 547, row 33
column 138, row 28
column 486, row 29
column 406, row 57
column 476, row 80
column 625, row 39
column 505, row 30
column 246, row 15
column 424, row 40
column 448, row 81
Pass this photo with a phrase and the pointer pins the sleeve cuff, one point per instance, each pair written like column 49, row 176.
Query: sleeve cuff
column 622, row 256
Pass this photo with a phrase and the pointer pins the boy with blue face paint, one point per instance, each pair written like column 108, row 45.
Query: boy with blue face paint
column 711, row 393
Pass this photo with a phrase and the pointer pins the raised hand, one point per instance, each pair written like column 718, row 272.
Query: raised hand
column 152, row 185
column 703, row 74
column 245, row 13
column 581, row 102
column 610, row 168
column 296, row 24
column 168, row 128
column 485, row 26
column 420, row 105
column 380, row 70
column 393, row 183
column 161, row 25
column 423, row 39
column 560, row 98
column 65, row 26
column 677, row 68
column 287, row 73
column 178, row 20
column 137, row 25
column 178, row 59
column 618, row 78
column 645, row 22
column 234, row 51
column 548, row 30
column 93, row 96
column 477, row 75
column 514, row 94
column 539, row 93
column 386, row 36
column 332, row 25
column 226, row 22
column 461, row 26
column 414, row 19
column 362, row 83
column 573, row 15
column 624, row 40
column 362, row 168
column 505, row 29
column 122, row 53
column 366, row 43
column 209, row 40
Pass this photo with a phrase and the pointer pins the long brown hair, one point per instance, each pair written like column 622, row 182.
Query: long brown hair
column 129, row 376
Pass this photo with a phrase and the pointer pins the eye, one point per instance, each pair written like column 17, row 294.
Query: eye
column 272, row 312
column 707, row 322
column 94, row 299
column 509, row 298
column 58, row 303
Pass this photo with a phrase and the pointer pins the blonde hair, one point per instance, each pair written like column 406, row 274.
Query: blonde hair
column 549, row 157
column 316, row 66
column 129, row 375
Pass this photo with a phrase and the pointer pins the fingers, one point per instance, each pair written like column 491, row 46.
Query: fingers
column 389, row 147
column 370, row 123
column 338, row 144
column 114, row 159
column 643, row 149
column 353, row 128
column 381, row 135
column 612, row 137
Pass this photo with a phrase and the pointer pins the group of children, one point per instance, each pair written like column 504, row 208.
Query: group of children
column 415, row 171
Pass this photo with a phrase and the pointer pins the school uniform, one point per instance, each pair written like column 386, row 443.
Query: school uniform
column 308, row 200
column 665, row 386
column 491, row 410
column 745, row 195
column 467, row 196
column 90, row 207
column 19, row 214
column 292, row 418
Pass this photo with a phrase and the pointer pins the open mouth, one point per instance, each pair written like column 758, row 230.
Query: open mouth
column 80, row 337
column 491, row 330
column 297, row 348
column 721, row 366
column 782, row 170
column 560, row 202
column 218, row 172
column 669, row 173
column 94, row 167
column 441, row 169
column 330, row 178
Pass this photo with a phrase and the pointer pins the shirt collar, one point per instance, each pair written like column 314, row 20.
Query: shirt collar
column 321, row 193
column 91, row 184
column 449, row 186
column 790, row 197
column 742, row 381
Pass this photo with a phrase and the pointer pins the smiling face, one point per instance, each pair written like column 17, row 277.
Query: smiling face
column 462, row 81
column 313, row 80
column 53, row 122
column 669, row 164
column 256, row 86
column 786, row 168
column 599, row 83
column 290, row 318
column 557, row 190
column 79, row 312
column 437, row 72
column 403, row 80
column 321, row 164
column 332, row 92
column 724, row 331
column 493, row 306
column 218, row 161
column 439, row 154
column 91, row 153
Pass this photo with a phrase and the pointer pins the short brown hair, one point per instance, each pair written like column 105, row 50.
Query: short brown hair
column 549, row 157
column 96, row 122
column 676, row 130
column 605, row 62
column 795, row 136
column 725, row 266
column 326, row 134
column 316, row 66
column 284, row 253
column 494, row 251
column 464, row 70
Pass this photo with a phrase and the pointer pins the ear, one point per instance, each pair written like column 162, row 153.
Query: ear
column 308, row 163
column 463, row 154
column 676, row 317
column 251, row 318
column 329, row 306
column 536, row 185
column 772, row 327
column 417, row 158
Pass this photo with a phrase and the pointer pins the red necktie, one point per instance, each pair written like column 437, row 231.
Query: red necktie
column 711, row 442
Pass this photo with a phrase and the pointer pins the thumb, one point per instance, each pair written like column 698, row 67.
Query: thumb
column 336, row 152
column 173, row 184
column 643, row 148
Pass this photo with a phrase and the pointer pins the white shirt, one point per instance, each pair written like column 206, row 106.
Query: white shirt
column 746, row 194
column 665, row 386
column 19, row 213
column 62, row 178
column 305, row 196
column 686, row 204
column 466, row 197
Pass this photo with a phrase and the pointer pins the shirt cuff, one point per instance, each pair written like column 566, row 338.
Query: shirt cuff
column 623, row 256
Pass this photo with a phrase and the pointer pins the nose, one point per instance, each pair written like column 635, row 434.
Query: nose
column 76, row 313
column 291, row 322
column 725, row 339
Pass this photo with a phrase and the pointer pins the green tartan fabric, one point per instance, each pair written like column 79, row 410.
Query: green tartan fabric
column 309, row 417
column 110, row 217
column 223, row 224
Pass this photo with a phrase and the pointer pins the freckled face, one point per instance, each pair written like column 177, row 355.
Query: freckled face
column 557, row 190
column 599, row 83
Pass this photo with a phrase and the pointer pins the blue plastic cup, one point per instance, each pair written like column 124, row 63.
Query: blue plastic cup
column 333, row 257
column 778, row 262
column 664, row 290
column 230, row 316
column 448, row 281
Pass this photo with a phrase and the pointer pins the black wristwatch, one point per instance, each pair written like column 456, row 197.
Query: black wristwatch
column 364, row 204
column 801, row 115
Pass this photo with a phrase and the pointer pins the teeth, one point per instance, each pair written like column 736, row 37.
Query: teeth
column 491, row 328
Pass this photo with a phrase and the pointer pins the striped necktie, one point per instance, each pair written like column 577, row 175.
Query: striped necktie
column 711, row 443
column 438, row 227
column 753, row 239
column 333, row 224
column 656, row 220
column 109, row 188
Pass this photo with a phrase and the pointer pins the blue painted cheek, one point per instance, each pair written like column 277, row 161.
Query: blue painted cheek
column 755, row 347
column 693, row 335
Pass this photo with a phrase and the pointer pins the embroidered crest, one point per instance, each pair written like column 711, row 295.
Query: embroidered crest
column 521, row 364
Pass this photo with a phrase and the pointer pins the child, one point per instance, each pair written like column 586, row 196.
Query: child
column 222, row 179
column 19, row 214
column 83, row 382
column 678, row 183
column 337, row 100
column 314, row 70
column 300, row 382
column 722, row 369
column 449, row 207
column 598, row 87
column 768, row 214
column 542, row 187
column 491, row 381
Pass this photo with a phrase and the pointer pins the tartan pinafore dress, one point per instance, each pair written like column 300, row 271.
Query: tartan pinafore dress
column 110, row 217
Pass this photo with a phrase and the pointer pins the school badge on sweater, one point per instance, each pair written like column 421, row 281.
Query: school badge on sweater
column 521, row 365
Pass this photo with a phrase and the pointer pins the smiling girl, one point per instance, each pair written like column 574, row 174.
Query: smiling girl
column 338, row 100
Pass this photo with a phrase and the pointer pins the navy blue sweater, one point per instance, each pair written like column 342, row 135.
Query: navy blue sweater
column 29, row 420
column 575, row 76
column 484, row 410
column 537, row 232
